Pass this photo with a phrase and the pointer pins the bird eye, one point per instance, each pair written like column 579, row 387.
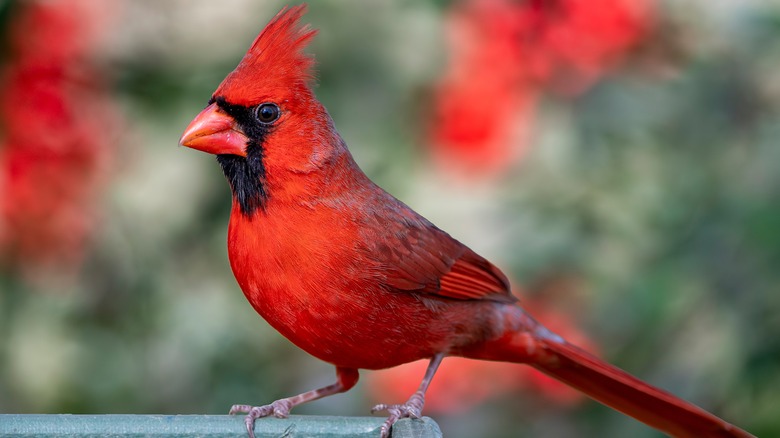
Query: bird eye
column 268, row 113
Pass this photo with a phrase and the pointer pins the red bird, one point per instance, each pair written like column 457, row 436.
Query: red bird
column 356, row 278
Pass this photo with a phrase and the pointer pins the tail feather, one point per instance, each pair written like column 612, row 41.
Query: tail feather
column 625, row 393
column 526, row 341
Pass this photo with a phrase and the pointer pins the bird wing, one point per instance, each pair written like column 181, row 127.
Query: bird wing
column 418, row 257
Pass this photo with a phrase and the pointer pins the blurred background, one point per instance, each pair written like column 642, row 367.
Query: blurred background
column 618, row 159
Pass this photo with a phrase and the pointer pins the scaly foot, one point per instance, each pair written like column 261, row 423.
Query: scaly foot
column 411, row 409
column 279, row 409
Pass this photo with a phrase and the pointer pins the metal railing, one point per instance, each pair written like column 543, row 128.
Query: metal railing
column 206, row 426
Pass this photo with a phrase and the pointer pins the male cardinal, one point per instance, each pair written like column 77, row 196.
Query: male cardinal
column 356, row 278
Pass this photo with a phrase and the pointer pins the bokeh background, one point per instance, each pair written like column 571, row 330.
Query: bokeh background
column 618, row 159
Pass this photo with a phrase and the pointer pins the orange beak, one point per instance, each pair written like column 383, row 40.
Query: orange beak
column 215, row 132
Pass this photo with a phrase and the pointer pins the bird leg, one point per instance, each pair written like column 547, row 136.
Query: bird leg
column 346, row 378
column 413, row 407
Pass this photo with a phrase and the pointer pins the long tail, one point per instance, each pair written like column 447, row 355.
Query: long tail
column 624, row 392
column 605, row 383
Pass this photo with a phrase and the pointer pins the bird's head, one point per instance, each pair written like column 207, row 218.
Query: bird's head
column 263, row 120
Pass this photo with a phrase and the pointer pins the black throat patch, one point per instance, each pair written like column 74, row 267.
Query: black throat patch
column 246, row 175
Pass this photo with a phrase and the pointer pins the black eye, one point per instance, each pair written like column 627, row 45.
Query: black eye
column 267, row 113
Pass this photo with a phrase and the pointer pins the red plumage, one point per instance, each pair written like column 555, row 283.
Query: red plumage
column 355, row 277
column 277, row 52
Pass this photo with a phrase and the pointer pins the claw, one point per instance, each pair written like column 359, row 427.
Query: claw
column 411, row 409
column 279, row 408
column 235, row 409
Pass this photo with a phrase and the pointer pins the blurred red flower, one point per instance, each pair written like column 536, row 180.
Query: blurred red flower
column 482, row 105
column 462, row 383
column 567, row 45
column 504, row 53
column 59, row 124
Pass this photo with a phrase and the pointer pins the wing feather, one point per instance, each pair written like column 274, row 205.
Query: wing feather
column 418, row 257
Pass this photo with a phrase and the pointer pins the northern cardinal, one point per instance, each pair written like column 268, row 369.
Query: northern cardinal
column 356, row 278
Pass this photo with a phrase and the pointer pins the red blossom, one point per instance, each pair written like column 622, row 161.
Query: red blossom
column 58, row 121
column 503, row 54
column 481, row 107
column 568, row 44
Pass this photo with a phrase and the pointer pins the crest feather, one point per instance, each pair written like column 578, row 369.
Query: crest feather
column 275, row 62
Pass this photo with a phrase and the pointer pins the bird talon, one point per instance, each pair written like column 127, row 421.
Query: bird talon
column 380, row 407
column 281, row 412
column 384, row 432
column 237, row 409
column 279, row 409
column 249, row 422
column 411, row 409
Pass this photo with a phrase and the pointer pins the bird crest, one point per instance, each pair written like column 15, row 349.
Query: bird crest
column 274, row 63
